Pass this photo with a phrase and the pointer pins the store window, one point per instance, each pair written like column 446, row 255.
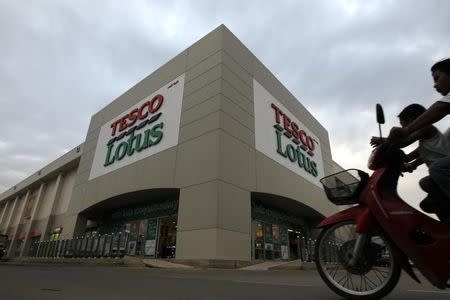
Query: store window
column 268, row 241
column 56, row 233
column 167, row 237
column 132, row 230
column 259, row 240
column 276, row 241
column 136, row 231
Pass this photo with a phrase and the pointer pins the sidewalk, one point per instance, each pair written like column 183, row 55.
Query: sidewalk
column 134, row 262
column 281, row 265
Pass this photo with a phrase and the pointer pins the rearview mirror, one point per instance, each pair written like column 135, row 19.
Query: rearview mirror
column 380, row 114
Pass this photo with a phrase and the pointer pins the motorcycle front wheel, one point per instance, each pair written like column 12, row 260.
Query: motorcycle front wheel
column 373, row 276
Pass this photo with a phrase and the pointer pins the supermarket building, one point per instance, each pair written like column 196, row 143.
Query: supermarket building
column 210, row 157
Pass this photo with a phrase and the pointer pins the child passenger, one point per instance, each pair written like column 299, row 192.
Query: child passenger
column 433, row 145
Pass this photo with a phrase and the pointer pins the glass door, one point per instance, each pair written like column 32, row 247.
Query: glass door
column 167, row 237
column 141, row 236
column 132, row 228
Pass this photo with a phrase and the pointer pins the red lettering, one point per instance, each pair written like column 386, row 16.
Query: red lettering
column 114, row 127
column 278, row 113
column 287, row 123
column 158, row 99
column 302, row 136
column 136, row 114
column 295, row 128
column 132, row 116
column 123, row 123
column 310, row 143
column 140, row 115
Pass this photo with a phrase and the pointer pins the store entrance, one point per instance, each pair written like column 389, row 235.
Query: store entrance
column 294, row 245
column 140, row 243
column 167, row 237
column 136, row 236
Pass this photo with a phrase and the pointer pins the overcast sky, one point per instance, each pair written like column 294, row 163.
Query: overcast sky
column 62, row 61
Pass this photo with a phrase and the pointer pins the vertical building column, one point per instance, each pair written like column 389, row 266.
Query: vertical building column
column 53, row 199
column 3, row 217
column 20, row 211
column 2, row 212
column 29, row 226
column 11, row 213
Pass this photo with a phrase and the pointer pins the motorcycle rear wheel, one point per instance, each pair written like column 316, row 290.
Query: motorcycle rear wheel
column 374, row 275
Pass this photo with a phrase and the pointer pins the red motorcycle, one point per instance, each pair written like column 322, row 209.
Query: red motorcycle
column 361, row 250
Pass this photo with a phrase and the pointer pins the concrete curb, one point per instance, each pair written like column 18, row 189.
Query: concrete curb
column 66, row 261
column 133, row 262
column 281, row 265
column 163, row 264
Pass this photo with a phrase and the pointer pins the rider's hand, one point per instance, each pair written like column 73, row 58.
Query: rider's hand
column 408, row 168
column 398, row 134
column 376, row 141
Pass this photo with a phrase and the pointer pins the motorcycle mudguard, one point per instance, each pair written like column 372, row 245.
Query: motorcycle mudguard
column 352, row 213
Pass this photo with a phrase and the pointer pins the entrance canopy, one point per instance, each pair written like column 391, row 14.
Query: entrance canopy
column 132, row 199
column 289, row 206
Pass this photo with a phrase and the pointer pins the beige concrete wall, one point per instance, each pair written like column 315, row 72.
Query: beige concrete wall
column 241, row 66
column 215, row 163
column 45, row 206
column 129, row 178
column 26, row 219
column 62, row 202
column 7, row 207
column 17, row 213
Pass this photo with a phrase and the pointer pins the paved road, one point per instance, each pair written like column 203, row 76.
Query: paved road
column 71, row 282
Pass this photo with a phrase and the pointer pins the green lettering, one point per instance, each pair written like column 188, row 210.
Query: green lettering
column 279, row 147
column 307, row 166
column 121, row 148
column 147, row 142
column 314, row 171
column 157, row 133
column 301, row 158
column 290, row 150
column 130, row 148
column 108, row 154
column 139, row 147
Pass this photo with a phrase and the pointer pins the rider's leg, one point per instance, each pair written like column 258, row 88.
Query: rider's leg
column 440, row 172
column 427, row 184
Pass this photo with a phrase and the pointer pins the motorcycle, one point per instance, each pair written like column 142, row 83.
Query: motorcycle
column 361, row 250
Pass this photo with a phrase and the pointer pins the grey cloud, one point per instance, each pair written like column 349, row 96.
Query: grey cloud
column 63, row 61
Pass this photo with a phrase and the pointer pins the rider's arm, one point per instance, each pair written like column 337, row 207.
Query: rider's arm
column 417, row 162
column 421, row 134
column 413, row 155
column 411, row 166
column 434, row 113
column 416, row 135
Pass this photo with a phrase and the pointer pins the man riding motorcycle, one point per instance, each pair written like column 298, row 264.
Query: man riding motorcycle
column 433, row 145
column 439, row 180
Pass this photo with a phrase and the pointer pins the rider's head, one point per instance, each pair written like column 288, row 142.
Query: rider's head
column 441, row 76
column 410, row 113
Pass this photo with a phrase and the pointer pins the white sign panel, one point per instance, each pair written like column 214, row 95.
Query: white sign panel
column 131, row 248
column 150, row 247
column 146, row 128
column 284, row 252
column 284, row 138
